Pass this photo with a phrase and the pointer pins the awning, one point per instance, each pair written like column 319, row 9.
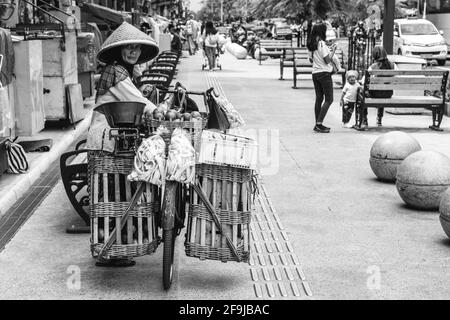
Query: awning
column 109, row 16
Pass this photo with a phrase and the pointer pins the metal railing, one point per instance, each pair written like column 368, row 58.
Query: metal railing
column 360, row 49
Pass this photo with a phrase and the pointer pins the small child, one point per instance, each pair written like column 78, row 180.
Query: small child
column 348, row 97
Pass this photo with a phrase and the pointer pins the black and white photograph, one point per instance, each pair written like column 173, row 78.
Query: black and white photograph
column 223, row 156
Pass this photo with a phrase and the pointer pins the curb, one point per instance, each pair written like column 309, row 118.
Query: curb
column 24, row 181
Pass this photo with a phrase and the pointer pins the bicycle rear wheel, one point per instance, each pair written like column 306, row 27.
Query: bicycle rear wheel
column 168, row 254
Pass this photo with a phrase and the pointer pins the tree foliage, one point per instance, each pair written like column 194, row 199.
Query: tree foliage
column 344, row 11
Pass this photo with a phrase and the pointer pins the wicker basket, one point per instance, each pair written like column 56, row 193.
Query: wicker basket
column 109, row 195
column 193, row 127
column 228, row 190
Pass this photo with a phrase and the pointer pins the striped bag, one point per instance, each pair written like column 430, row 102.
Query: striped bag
column 17, row 160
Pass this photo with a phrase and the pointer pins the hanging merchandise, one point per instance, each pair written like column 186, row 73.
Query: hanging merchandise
column 6, row 117
column 234, row 117
column 218, row 118
column 181, row 158
column 150, row 161
column 7, row 50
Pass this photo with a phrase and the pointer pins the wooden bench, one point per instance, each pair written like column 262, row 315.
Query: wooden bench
column 287, row 58
column 432, row 81
column 272, row 47
column 302, row 64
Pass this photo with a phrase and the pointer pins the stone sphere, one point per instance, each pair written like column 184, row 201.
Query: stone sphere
column 444, row 210
column 236, row 50
column 422, row 178
column 388, row 151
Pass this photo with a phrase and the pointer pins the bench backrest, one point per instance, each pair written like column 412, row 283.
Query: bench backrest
column 268, row 44
column 420, row 80
column 301, row 56
column 289, row 53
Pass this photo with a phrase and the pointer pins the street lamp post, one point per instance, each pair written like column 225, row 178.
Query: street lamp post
column 388, row 26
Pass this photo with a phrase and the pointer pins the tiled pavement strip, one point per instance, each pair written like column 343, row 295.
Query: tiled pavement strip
column 274, row 267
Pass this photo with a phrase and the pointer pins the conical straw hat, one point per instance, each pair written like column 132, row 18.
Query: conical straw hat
column 127, row 34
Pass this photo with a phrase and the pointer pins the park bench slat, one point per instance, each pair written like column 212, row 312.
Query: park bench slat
column 405, row 86
column 402, row 100
column 406, row 79
column 433, row 72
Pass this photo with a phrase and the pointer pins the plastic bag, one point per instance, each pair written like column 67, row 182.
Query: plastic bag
column 217, row 116
column 181, row 159
column 234, row 117
column 150, row 161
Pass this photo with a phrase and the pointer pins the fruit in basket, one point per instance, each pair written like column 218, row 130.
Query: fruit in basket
column 178, row 113
column 187, row 116
column 145, row 240
column 171, row 115
column 196, row 115
column 161, row 109
column 158, row 115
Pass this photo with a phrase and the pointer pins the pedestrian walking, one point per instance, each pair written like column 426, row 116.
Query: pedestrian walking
column 348, row 97
column 210, row 41
column 321, row 57
column 191, row 34
column 175, row 44
column 380, row 62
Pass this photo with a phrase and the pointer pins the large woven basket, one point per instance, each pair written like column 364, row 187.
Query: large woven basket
column 229, row 191
column 109, row 195
column 194, row 128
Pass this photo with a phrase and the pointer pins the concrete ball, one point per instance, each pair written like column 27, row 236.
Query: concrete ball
column 444, row 210
column 236, row 50
column 422, row 178
column 388, row 151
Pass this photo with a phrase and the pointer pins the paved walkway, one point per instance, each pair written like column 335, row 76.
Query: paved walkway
column 345, row 225
column 329, row 224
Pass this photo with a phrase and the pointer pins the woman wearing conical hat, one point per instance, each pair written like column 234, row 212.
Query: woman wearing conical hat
column 121, row 51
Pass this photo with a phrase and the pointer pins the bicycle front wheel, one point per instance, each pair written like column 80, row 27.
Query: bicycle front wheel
column 168, row 254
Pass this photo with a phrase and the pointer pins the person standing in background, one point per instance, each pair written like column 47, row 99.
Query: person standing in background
column 210, row 41
column 321, row 58
column 191, row 34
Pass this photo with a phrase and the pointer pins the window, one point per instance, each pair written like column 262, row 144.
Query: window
column 438, row 6
column 418, row 29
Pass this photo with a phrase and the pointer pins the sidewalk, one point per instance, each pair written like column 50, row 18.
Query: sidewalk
column 14, row 186
column 332, row 223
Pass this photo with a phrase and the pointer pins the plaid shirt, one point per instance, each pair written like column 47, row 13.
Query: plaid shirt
column 112, row 75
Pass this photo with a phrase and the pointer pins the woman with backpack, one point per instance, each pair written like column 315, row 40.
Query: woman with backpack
column 210, row 40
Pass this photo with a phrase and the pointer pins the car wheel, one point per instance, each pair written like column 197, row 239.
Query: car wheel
column 441, row 62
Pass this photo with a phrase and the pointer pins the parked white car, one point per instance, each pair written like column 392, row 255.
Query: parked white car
column 419, row 38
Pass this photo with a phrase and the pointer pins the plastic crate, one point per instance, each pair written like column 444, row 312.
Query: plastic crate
column 227, row 149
